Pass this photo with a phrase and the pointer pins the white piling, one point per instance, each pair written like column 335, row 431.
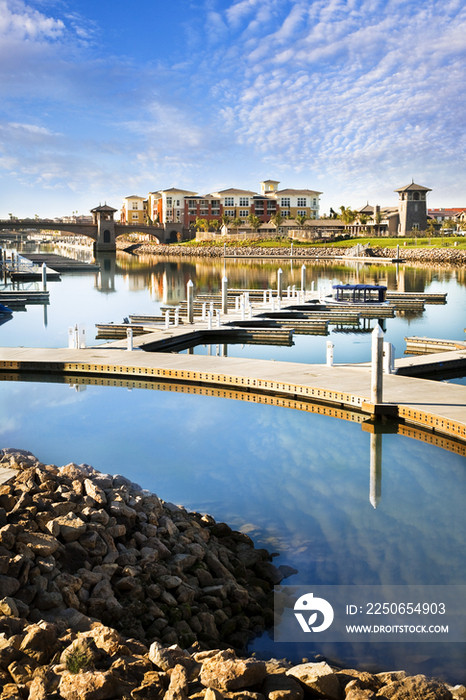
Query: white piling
column 312, row 286
column 388, row 358
column 237, row 303
column 249, row 310
column 279, row 282
column 293, row 291
column 303, row 278
column 224, row 295
column 288, row 290
column 279, row 303
column 242, row 308
column 377, row 365
column 291, row 251
column 129, row 339
column 217, row 314
column 167, row 319
column 190, row 295
column 265, row 297
column 209, row 321
column 177, row 317
column 44, row 277
column 212, row 308
column 204, row 309
column 330, row 347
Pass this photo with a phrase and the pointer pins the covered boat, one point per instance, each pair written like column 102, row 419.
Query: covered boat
column 360, row 293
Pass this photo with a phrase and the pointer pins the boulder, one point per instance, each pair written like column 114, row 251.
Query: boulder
column 70, row 527
column 89, row 685
column 319, row 678
column 39, row 542
column 415, row 688
column 279, row 686
column 225, row 671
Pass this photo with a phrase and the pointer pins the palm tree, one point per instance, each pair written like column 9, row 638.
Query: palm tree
column 215, row 224
column 301, row 219
column 254, row 222
column 277, row 219
column 237, row 223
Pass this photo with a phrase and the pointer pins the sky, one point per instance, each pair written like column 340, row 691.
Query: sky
column 352, row 98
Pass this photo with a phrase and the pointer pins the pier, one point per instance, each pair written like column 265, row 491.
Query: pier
column 435, row 407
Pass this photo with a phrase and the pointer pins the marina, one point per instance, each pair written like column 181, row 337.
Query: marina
column 291, row 470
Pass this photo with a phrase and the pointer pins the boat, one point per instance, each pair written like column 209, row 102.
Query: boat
column 5, row 311
column 360, row 294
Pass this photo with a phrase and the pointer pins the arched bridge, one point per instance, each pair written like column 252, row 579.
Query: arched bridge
column 103, row 231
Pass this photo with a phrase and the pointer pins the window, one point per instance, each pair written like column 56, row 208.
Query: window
column 302, row 212
column 229, row 212
column 135, row 216
column 285, row 212
column 135, row 205
column 244, row 202
column 169, row 202
column 244, row 213
column 301, row 202
column 285, row 202
column 314, row 202
column 229, row 201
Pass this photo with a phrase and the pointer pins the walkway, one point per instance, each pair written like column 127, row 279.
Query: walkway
column 436, row 406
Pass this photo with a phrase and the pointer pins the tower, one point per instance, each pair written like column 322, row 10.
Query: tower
column 103, row 217
column 412, row 208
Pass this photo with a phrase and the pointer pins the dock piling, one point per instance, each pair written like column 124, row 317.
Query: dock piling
column 218, row 317
column 44, row 277
column 204, row 310
column 377, row 365
column 190, row 295
column 303, row 278
column 209, row 321
column 293, row 292
column 224, row 295
column 330, row 347
column 279, row 282
column 129, row 339
column 177, row 317
column 288, row 291
column 167, row 319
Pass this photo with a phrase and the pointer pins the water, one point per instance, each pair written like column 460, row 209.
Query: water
column 298, row 483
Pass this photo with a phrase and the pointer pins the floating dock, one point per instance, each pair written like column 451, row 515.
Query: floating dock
column 60, row 263
column 436, row 407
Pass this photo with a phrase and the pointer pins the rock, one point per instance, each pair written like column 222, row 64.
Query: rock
column 38, row 690
column 94, row 491
column 70, row 527
column 319, row 678
column 356, row 693
column 151, row 688
column 104, row 638
column 167, row 658
column 40, row 642
column 8, row 607
column 90, row 685
column 415, row 688
column 178, row 688
column 279, row 686
column 40, row 543
column 8, row 586
column 225, row 671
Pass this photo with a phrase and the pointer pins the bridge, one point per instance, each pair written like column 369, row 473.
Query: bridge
column 104, row 230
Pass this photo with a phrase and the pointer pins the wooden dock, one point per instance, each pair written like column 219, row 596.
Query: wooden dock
column 425, row 346
column 436, row 407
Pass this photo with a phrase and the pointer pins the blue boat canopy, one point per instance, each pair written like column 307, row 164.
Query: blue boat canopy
column 366, row 293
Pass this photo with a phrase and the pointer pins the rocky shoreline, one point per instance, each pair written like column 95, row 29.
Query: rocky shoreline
column 106, row 591
column 445, row 256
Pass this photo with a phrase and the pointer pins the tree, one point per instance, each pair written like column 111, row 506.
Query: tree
column 301, row 219
column 277, row 219
column 431, row 227
column 226, row 220
column 254, row 222
column 202, row 224
column 237, row 223
column 215, row 224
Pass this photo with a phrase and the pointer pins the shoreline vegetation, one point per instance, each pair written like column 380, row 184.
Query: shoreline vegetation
column 243, row 249
column 106, row 591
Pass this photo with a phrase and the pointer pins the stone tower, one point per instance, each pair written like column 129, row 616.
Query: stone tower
column 412, row 208
column 103, row 217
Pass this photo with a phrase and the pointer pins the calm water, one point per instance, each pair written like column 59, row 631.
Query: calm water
column 271, row 472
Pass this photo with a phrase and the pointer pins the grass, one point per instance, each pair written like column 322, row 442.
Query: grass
column 424, row 242
column 79, row 657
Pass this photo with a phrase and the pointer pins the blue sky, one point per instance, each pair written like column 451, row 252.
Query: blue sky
column 353, row 98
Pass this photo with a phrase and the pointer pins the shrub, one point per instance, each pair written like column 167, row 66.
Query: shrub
column 79, row 657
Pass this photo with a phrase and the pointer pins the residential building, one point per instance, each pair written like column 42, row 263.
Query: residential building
column 134, row 210
column 168, row 206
